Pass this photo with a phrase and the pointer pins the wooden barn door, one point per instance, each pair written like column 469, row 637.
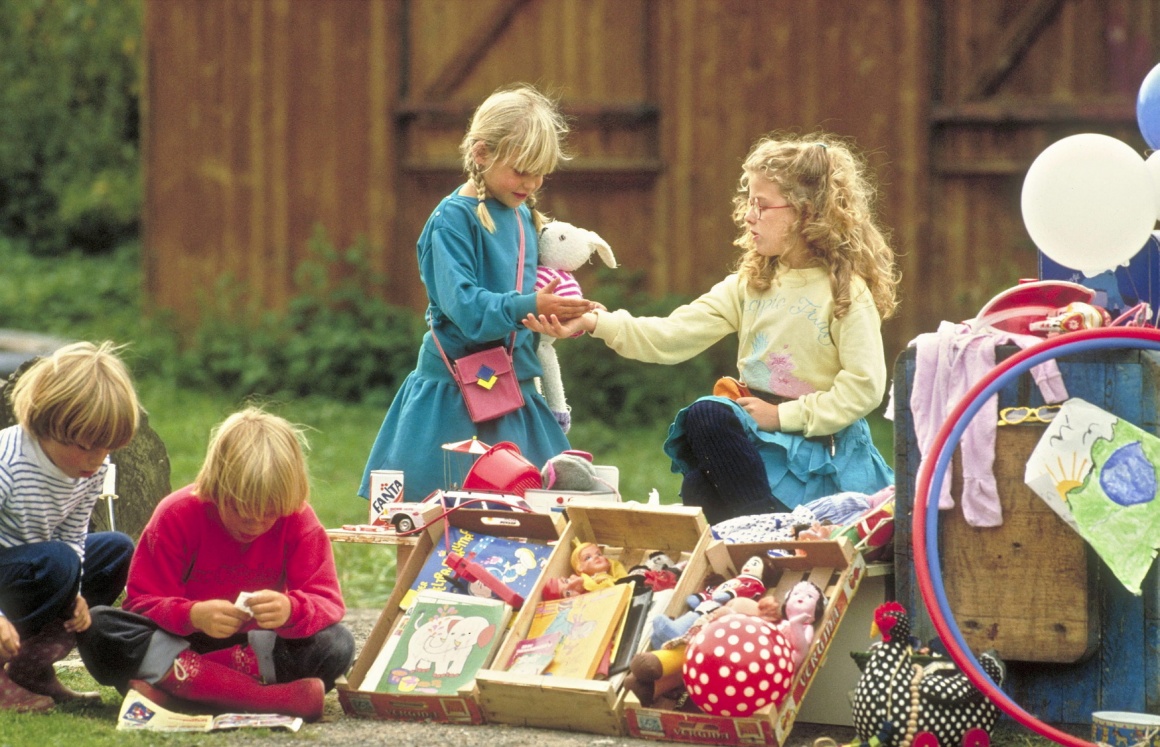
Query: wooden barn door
column 453, row 54
column 1009, row 80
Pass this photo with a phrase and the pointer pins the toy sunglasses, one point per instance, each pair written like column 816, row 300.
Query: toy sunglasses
column 1019, row 415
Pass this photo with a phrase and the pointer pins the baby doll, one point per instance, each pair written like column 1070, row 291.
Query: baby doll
column 801, row 610
column 591, row 570
column 657, row 573
column 747, row 584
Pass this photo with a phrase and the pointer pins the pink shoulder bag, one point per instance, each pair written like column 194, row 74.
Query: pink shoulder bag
column 487, row 379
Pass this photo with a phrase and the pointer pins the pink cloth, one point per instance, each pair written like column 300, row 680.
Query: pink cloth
column 947, row 363
column 568, row 287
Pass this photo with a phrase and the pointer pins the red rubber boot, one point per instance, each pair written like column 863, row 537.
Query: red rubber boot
column 238, row 658
column 195, row 679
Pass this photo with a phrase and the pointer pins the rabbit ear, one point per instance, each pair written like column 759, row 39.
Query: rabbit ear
column 602, row 249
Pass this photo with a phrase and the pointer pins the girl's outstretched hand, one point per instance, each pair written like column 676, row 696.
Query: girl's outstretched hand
column 548, row 303
column 552, row 326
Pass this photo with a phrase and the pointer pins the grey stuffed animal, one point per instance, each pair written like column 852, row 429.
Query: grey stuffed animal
column 573, row 470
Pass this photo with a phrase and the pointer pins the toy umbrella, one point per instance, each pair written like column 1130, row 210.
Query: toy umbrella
column 471, row 447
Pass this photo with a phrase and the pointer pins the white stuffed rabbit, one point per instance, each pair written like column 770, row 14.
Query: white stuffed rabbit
column 564, row 248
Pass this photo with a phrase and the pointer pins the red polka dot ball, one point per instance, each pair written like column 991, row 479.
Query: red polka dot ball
column 737, row 665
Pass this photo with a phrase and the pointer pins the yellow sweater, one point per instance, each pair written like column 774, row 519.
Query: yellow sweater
column 789, row 344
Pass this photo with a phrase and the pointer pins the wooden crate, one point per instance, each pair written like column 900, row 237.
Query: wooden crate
column 834, row 566
column 1076, row 641
column 627, row 532
column 463, row 707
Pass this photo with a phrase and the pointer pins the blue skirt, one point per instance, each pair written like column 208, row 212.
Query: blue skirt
column 428, row 411
column 799, row 469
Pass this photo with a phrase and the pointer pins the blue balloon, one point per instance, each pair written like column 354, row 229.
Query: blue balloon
column 1148, row 108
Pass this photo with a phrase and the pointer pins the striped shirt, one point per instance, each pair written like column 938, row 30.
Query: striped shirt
column 39, row 502
column 568, row 287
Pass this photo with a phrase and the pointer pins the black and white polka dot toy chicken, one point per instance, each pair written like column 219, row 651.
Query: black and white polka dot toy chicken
column 899, row 700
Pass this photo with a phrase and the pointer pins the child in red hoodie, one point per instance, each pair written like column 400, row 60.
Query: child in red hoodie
column 233, row 602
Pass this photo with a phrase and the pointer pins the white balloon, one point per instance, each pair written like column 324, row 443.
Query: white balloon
column 1153, row 164
column 1089, row 202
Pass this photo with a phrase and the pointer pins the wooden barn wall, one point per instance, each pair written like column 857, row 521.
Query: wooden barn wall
column 266, row 118
column 1010, row 79
column 262, row 120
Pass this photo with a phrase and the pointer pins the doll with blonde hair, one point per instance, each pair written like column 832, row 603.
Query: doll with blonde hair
column 233, row 602
column 478, row 292
column 591, row 570
column 72, row 409
column 815, row 280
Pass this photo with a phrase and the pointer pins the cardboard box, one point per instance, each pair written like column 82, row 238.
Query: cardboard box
column 830, row 694
column 461, row 708
column 627, row 532
column 834, row 566
column 544, row 499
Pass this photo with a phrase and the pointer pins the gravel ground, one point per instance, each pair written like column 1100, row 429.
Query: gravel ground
column 338, row 728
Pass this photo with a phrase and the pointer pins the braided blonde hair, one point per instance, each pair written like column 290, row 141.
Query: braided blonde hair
column 826, row 182
column 516, row 124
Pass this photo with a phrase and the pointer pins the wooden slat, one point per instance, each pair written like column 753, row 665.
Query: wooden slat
column 1010, row 47
column 1120, row 110
column 468, row 56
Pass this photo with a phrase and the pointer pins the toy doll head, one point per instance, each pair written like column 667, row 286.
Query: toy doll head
column 254, row 472
column 755, row 567
column 805, row 596
column 589, row 559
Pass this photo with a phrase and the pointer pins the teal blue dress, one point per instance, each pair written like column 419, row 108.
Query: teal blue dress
column 470, row 276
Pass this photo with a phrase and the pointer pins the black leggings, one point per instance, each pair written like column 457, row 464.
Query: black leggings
column 728, row 478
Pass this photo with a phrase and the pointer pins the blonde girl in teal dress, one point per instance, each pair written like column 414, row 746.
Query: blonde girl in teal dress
column 468, row 253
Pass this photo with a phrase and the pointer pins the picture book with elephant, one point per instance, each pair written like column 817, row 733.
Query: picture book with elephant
column 440, row 643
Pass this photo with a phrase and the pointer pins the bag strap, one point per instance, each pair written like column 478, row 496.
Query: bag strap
column 519, row 287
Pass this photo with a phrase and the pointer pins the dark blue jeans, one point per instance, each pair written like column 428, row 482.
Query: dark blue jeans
column 39, row 581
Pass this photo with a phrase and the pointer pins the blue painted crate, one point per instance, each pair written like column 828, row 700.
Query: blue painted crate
column 1123, row 672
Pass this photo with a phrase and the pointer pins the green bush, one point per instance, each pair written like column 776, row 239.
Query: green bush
column 335, row 339
column 69, row 156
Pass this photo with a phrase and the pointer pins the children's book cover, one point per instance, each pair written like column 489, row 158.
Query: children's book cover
column 587, row 622
column 533, row 655
column 516, row 562
column 139, row 713
column 445, row 640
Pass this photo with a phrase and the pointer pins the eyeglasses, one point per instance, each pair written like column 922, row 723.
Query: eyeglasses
column 758, row 208
column 1019, row 415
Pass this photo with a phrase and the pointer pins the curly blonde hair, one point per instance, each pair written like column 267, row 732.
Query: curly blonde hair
column 826, row 181
column 517, row 124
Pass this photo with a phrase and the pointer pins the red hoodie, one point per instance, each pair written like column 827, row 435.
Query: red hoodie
column 185, row 556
